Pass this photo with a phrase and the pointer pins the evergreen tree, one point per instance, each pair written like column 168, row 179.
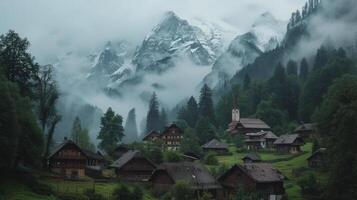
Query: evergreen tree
column 205, row 130
column 163, row 119
column 321, row 58
column 190, row 112
column 153, row 116
column 19, row 65
column 304, row 69
column 111, row 131
column 130, row 129
column 76, row 130
column 337, row 125
column 206, row 104
column 246, row 82
column 291, row 68
column 190, row 142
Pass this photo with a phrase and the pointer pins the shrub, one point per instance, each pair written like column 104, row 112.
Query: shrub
column 172, row 156
column 182, row 191
column 210, row 159
column 123, row 192
column 42, row 189
column 90, row 193
column 71, row 196
column 309, row 184
column 166, row 196
column 137, row 193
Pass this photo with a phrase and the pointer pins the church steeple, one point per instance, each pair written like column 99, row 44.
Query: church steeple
column 235, row 110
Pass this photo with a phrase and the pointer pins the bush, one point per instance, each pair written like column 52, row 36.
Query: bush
column 309, row 184
column 90, row 193
column 182, row 191
column 123, row 192
column 137, row 193
column 172, row 156
column 71, row 196
column 166, row 196
column 42, row 189
column 210, row 159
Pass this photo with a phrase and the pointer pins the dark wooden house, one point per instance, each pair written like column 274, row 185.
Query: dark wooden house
column 251, row 158
column 289, row 143
column 317, row 159
column 261, row 178
column 133, row 166
column 152, row 136
column 215, row 146
column 306, row 131
column 172, row 136
column 71, row 161
column 247, row 125
column 195, row 174
column 260, row 140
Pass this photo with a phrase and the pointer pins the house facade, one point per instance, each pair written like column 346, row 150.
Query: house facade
column 71, row 161
column 306, row 130
column 260, row 140
column 133, row 166
column 261, row 178
column 289, row 143
column 171, row 137
column 317, row 159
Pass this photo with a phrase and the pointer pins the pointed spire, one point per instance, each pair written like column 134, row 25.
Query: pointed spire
column 235, row 103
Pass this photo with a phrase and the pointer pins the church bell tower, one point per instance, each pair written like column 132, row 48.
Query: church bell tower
column 235, row 111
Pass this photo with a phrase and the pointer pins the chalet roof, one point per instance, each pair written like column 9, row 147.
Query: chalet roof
column 270, row 135
column 126, row 157
column 215, row 144
column 195, row 174
column 287, row 139
column 152, row 133
column 262, row 172
column 259, row 172
column 169, row 128
column 252, row 156
column 254, row 140
column 87, row 153
column 319, row 151
column 251, row 123
column 305, row 127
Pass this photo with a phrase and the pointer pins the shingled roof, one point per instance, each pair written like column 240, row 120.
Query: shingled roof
column 252, row 156
column 194, row 174
column 253, row 123
column 151, row 134
column 128, row 156
column 286, row 139
column 89, row 154
column 259, row 172
column 319, row 151
column 305, row 127
column 215, row 144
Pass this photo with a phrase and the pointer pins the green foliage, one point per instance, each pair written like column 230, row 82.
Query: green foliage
column 151, row 150
column 318, row 82
column 111, row 131
column 153, row 116
column 206, row 104
column 272, row 116
column 206, row 196
column 243, row 195
column 309, row 184
column 182, row 191
column 81, row 135
column 122, row 192
column 92, row 195
column 291, row 68
column 210, row 159
column 19, row 65
column 205, row 131
column 163, row 119
column 304, row 69
column 21, row 138
column 190, row 142
column 337, row 125
column 190, row 112
column 166, row 196
column 130, row 129
column 246, row 82
column 172, row 156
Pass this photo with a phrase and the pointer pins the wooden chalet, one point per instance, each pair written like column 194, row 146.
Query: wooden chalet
column 71, row 161
column 289, row 143
column 247, row 125
column 172, row 136
column 260, row 140
column 317, row 159
column 133, row 166
column 306, row 131
column 251, row 158
column 261, row 178
column 216, row 146
column 152, row 136
column 195, row 174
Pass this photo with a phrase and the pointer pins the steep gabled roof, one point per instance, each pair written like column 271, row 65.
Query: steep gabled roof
column 253, row 123
column 215, row 144
column 87, row 153
column 153, row 133
column 287, row 139
column 319, row 151
column 259, row 172
column 126, row 157
column 170, row 128
column 305, row 127
column 194, row 174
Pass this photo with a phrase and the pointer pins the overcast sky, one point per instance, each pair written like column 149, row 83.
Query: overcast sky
column 56, row 27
